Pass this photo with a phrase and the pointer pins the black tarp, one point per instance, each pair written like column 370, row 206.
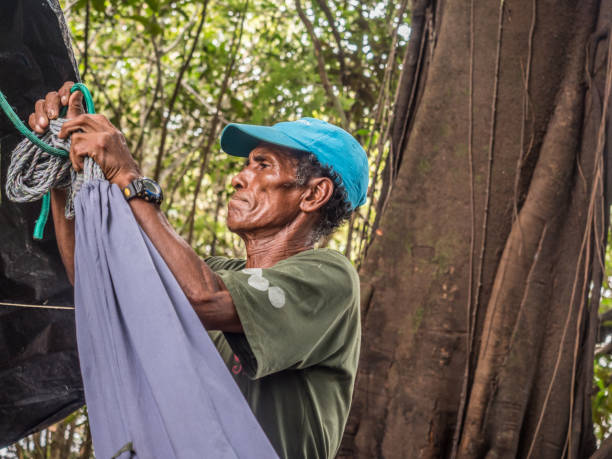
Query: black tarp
column 40, row 381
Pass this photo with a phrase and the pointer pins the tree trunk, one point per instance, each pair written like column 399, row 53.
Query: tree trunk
column 478, row 329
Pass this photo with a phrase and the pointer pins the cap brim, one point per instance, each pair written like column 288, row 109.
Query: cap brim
column 241, row 139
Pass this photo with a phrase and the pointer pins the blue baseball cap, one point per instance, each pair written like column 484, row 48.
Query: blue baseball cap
column 331, row 145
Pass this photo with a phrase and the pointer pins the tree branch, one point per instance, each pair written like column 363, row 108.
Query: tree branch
column 85, row 63
column 382, row 123
column 102, row 88
column 212, row 134
column 198, row 97
column 332, row 24
column 149, row 110
column 321, row 64
column 183, row 69
column 603, row 350
column 606, row 316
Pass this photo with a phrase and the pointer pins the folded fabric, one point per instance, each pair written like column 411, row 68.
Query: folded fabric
column 155, row 385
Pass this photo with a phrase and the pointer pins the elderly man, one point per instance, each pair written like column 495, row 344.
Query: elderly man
column 286, row 319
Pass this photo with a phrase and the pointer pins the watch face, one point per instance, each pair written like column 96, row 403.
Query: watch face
column 151, row 186
column 152, row 191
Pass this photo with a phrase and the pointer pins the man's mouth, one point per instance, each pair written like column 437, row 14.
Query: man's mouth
column 237, row 197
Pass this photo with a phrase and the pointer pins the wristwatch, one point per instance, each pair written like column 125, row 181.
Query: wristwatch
column 144, row 188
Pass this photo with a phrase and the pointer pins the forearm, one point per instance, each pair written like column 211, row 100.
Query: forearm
column 64, row 231
column 180, row 258
column 209, row 298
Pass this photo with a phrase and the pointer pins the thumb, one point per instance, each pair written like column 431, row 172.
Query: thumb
column 75, row 105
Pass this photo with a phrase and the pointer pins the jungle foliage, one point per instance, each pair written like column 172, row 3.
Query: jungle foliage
column 172, row 74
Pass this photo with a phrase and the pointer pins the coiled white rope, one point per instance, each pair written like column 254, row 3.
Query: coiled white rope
column 33, row 172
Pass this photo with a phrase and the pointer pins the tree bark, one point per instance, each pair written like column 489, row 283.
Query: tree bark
column 478, row 329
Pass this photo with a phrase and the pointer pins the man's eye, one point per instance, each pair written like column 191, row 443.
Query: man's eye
column 263, row 165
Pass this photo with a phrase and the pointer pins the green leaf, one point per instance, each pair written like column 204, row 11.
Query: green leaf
column 150, row 24
column 153, row 4
column 98, row 5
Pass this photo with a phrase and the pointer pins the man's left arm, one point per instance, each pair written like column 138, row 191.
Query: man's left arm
column 96, row 137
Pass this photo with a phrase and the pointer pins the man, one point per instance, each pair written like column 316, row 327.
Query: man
column 286, row 319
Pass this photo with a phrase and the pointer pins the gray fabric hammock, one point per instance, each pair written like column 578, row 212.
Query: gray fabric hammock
column 155, row 384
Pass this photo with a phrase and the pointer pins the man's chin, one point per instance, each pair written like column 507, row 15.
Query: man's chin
column 238, row 218
column 236, row 226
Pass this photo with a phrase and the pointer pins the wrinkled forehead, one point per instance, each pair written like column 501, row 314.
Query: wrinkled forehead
column 278, row 149
column 278, row 152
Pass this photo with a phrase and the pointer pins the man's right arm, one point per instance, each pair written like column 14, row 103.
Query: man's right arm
column 95, row 136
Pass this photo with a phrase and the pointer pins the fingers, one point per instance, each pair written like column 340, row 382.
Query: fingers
column 52, row 105
column 94, row 136
column 64, row 92
column 75, row 105
column 79, row 148
column 85, row 123
column 49, row 108
column 80, row 123
column 33, row 123
column 38, row 120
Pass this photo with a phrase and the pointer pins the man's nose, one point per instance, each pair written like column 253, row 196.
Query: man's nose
column 239, row 180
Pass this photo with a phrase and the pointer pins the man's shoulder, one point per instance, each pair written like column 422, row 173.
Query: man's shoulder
column 327, row 269
column 324, row 269
column 325, row 257
column 322, row 253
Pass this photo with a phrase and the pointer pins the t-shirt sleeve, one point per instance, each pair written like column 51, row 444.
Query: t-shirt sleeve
column 292, row 314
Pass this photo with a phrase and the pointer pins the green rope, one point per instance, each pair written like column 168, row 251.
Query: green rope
column 21, row 127
column 41, row 221
column 39, row 227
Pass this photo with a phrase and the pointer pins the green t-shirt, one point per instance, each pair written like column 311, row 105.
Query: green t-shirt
column 297, row 359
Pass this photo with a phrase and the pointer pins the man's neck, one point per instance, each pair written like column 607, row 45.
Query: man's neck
column 265, row 250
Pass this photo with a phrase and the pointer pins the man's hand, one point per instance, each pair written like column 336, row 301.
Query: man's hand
column 96, row 137
column 92, row 135
column 49, row 108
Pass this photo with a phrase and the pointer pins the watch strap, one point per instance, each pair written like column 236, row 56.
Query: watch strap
column 130, row 192
column 137, row 189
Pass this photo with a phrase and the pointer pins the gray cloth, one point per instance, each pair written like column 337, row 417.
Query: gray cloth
column 152, row 375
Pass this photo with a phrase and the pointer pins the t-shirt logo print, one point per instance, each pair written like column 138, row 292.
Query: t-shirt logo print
column 237, row 367
column 276, row 295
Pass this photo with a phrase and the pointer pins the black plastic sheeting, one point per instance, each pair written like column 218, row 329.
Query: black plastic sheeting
column 40, row 381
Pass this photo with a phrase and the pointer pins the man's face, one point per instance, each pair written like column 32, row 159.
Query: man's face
column 266, row 197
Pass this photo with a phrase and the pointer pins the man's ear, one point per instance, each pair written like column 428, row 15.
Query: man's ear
column 318, row 191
